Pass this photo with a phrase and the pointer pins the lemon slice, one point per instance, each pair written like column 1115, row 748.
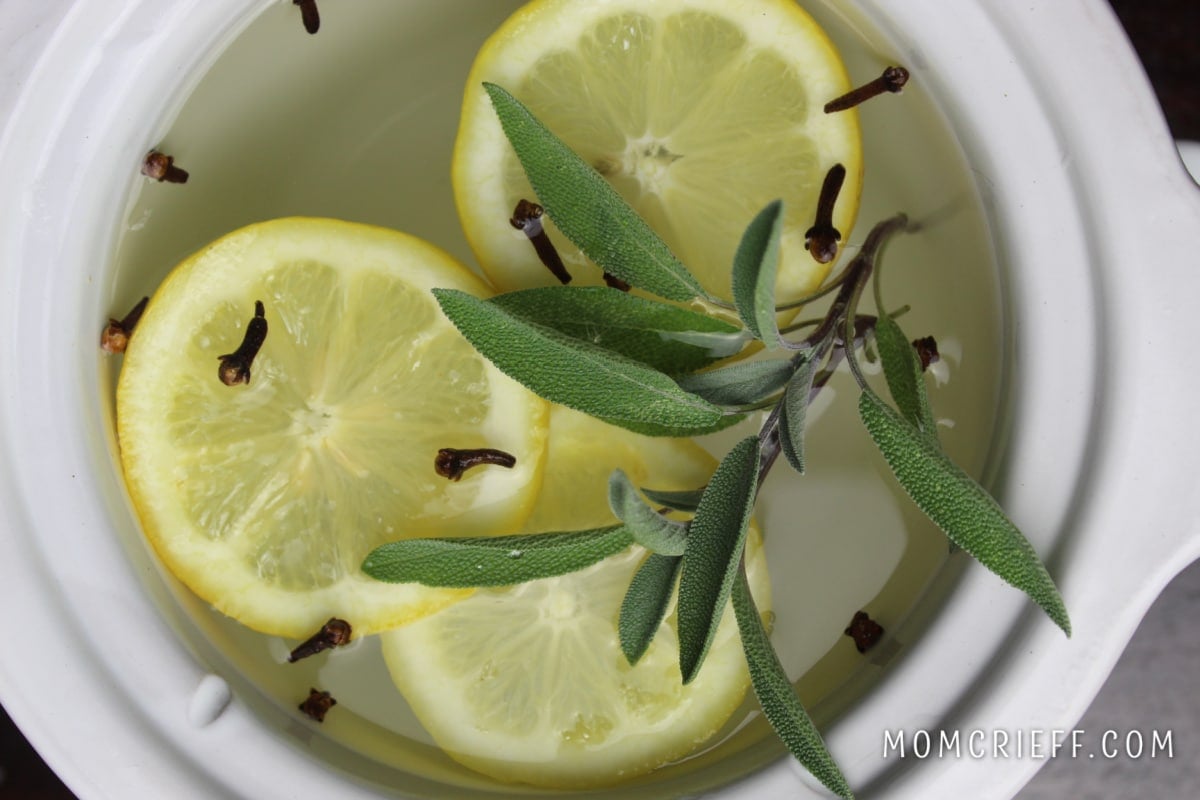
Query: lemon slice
column 699, row 112
column 582, row 454
column 264, row 498
column 528, row 684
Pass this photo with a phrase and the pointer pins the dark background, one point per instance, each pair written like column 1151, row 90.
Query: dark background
column 1165, row 33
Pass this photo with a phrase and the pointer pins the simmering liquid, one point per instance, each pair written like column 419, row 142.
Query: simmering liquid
column 358, row 123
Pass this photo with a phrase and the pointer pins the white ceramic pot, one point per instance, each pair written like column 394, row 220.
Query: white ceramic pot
column 1095, row 227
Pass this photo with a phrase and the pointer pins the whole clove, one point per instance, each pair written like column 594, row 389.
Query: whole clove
column 614, row 282
column 115, row 336
column 865, row 631
column 334, row 633
column 235, row 367
column 927, row 351
column 161, row 167
column 527, row 218
column 892, row 80
column 309, row 14
column 452, row 463
column 317, row 705
column 822, row 238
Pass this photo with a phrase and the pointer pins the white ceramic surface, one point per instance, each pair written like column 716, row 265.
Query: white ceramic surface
column 1097, row 226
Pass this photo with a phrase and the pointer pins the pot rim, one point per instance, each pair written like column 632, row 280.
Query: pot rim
column 1091, row 455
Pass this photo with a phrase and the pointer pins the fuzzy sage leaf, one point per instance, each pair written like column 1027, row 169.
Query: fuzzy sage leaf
column 685, row 500
column 646, row 603
column 588, row 210
column 497, row 561
column 743, row 384
column 754, row 267
column 778, row 698
column 665, row 337
column 650, row 529
column 905, row 379
column 578, row 374
column 959, row 506
column 793, row 414
column 712, row 557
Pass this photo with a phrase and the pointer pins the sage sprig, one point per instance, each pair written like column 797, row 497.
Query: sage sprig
column 755, row 265
column 960, row 506
column 646, row 603
column 653, row 368
column 588, row 210
column 745, row 384
column 649, row 528
column 662, row 336
column 680, row 500
column 905, row 381
column 778, row 698
column 579, row 374
column 715, row 539
column 793, row 412
column 948, row 496
column 495, row 561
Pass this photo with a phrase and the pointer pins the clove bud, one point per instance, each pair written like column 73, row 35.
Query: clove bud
column 317, row 705
column 527, row 218
column 892, row 80
column 865, row 631
column 115, row 337
column 334, row 633
column 927, row 351
column 161, row 167
column 235, row 366
column 451, row 463
column 822, row 238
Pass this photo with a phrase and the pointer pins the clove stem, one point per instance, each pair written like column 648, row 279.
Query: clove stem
column 452, row 463
column 822, row 238
column 527, row 218
column 334, row 633
column 161, row 167
column 235, row 367
column 309, row 14
column 892, row 80
column 115, row 337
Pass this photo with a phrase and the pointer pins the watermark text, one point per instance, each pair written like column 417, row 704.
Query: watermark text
column 1035, row 744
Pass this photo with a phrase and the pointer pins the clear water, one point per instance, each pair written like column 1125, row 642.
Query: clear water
column 358, row 122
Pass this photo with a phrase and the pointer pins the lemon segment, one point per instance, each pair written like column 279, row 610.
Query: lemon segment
column 699, row 112
column 528, row 684
column 582, row 454
column 264, row 498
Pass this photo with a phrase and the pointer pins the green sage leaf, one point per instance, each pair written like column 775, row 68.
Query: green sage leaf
column 646, row 603
column 588, row 210
column 741, row 384
column 650, row 529
column 777, row 695
column 755, row 265
column 713, row 553
column 686, row 500
column 905, row 379
column 578, row 374
column 497, row 561
column 794, row 412
column 665, row 337
column 958, row 505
